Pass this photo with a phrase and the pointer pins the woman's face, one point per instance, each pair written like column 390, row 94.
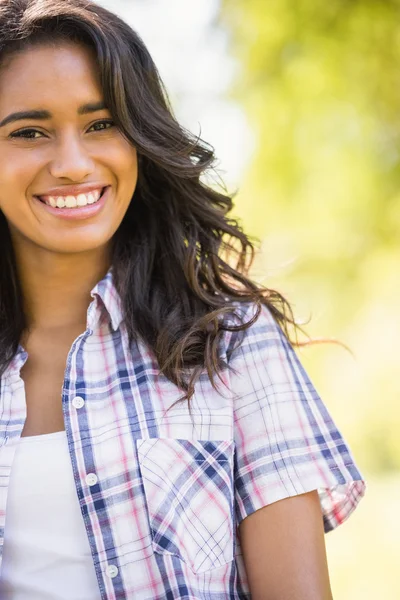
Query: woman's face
column 68, row 153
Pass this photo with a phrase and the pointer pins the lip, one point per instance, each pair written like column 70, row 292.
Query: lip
column 73, row 190
column 76, row 214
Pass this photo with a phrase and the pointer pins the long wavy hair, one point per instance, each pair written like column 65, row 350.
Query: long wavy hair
column 180, row 263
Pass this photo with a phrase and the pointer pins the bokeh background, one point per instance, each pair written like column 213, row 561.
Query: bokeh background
column 301, row 101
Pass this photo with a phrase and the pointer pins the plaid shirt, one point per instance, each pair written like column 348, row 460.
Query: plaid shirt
column 162, row 492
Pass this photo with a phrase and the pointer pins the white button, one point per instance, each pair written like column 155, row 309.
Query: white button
column 78, row 402
column 112, row 571
column 91, row 479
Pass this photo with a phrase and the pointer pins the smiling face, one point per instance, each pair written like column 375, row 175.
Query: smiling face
column 67, row 151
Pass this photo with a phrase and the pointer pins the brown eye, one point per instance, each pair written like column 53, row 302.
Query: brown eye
column 102, row 125
column 28, row 134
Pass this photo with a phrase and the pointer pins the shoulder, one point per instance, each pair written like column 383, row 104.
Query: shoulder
column 252, row 328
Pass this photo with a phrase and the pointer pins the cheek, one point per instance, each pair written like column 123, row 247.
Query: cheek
column 18, row 170
column 122, row 161
column 14, row 210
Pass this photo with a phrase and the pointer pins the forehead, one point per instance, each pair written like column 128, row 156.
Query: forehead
column 49, row 74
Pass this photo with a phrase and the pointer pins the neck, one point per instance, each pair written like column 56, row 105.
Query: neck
column 56, row 288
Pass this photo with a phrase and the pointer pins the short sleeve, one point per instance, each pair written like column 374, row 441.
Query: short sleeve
column 286, row 441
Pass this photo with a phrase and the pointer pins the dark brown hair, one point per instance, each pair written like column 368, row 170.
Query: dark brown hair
column 181, row 264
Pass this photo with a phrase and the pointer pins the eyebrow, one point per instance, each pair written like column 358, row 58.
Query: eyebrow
column 44, row 115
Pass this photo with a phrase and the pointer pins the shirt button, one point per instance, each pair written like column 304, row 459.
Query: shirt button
column 78, row 402
column 91, row 479
column 112, row 571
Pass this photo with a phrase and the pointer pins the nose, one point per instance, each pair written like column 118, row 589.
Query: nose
column 71, row 159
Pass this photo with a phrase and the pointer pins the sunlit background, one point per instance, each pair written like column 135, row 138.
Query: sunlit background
column 301, row 100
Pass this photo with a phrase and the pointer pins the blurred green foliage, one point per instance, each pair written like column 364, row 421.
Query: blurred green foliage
column 320, row 84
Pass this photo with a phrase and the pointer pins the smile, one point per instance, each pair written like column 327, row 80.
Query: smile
column 73, row 201
column 78, row 207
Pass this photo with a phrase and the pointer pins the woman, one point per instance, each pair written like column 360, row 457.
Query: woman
column 188, row 454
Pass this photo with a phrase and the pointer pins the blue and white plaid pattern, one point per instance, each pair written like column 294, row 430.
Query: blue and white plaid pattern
column 189, row 493
column 167, row 487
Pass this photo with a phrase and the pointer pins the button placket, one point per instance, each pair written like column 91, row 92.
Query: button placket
column 91, row 479
column 78, row 402
column 112, row 571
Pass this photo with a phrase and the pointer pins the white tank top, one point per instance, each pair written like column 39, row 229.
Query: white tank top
column 46, row 549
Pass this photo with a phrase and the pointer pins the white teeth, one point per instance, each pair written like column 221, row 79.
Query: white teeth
column 95, row 196
column 73, row 201
column 81, row 200
column 70, row 202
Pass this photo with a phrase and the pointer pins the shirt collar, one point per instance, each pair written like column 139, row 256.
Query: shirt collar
column 111, row 303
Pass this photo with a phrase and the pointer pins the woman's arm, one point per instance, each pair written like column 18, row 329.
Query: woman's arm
column 284, row 550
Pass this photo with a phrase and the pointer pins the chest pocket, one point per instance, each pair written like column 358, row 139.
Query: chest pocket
column 189, row 493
